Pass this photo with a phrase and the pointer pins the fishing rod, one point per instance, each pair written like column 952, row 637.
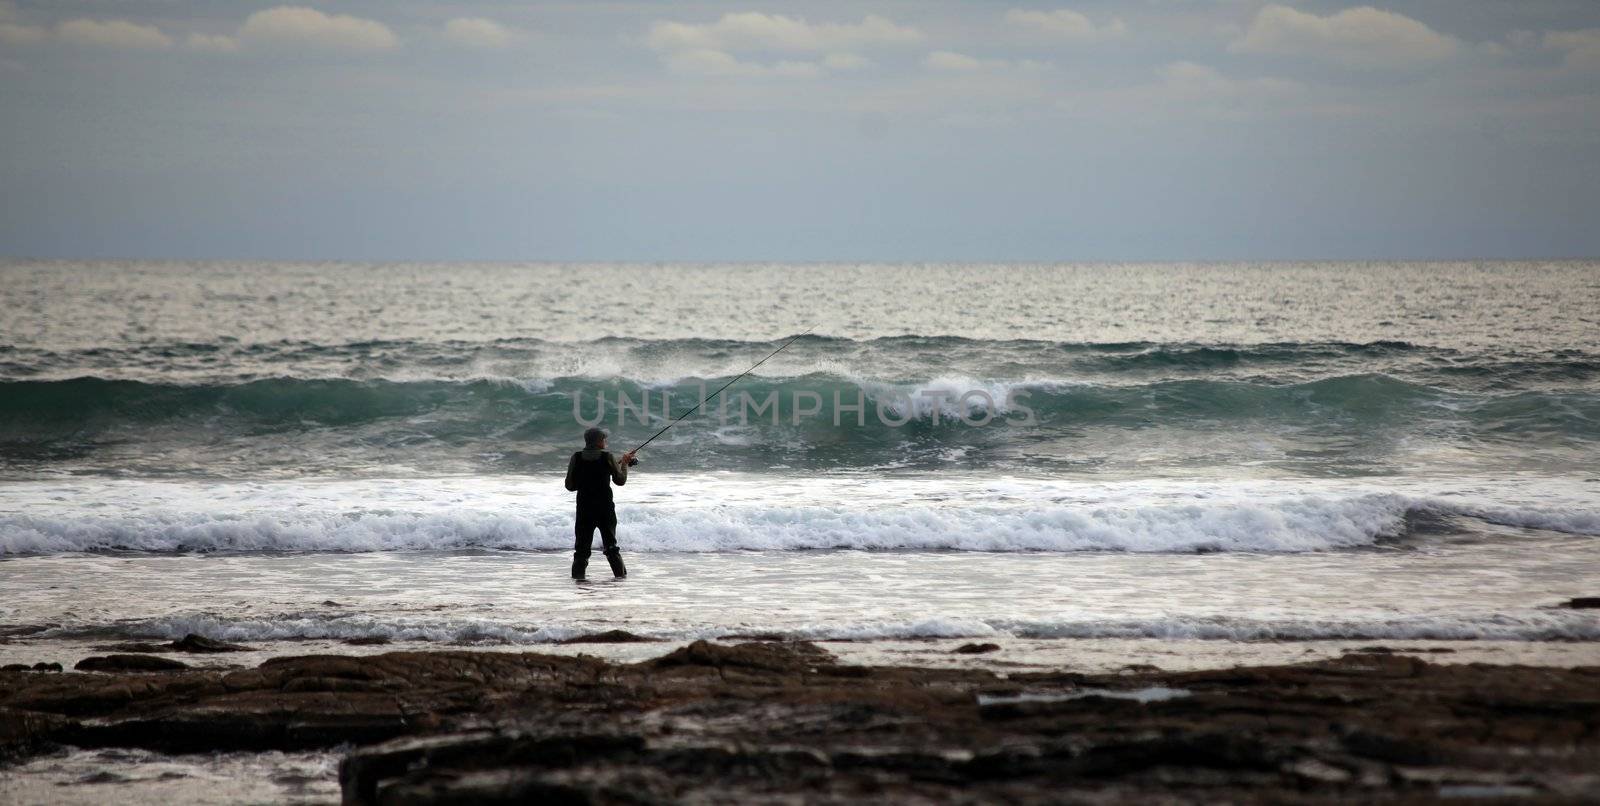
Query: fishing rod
column 709, row 398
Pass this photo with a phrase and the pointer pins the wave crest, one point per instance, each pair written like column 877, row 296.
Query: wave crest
column 1285, row 525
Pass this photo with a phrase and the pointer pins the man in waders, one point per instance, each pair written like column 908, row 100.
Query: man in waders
column 590, row 474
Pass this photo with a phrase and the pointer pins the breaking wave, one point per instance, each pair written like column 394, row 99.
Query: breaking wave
column 231, row 409
column 1273, row 525
column 817, row 420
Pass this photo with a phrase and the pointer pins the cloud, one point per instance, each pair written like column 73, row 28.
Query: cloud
column 846, row 61
column 13, row 34
column 1362, row 37
column 754, row 31
column 308, row 27
column 1582, row 47
column 706, row 62
column 1185, row 90
column 951, row 62
column 212, row 43
column 710, row 49
column 479, row 33
column 1064, row 24
column 83, row 31
column 1197, row 79
column 112, row 34
column 946, row 61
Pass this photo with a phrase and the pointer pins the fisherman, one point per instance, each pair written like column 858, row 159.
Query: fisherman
column 590, row 474
column 592, row 470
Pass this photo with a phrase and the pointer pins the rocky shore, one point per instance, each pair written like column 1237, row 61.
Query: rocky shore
column 764, row 721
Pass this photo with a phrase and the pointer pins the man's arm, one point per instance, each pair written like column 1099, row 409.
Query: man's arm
column 572, row 474
column 619, row 469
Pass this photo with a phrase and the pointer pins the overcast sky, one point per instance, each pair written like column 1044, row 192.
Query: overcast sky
column 1146, row 130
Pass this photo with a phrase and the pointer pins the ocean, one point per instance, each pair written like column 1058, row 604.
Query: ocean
column 1089, row 465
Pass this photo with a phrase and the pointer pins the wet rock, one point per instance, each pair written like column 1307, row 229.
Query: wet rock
column 134, row 647
column 785, row 722
column 608, row 637
column 361, row 772
column 1376, row 665
column 754, row 636
column 188, row 643
column 507, row 786
column 16, row 667
column 368, row 640
column 201, row 644
column 25, row 732
column 975, row 649
column 797, row 656
column 129, row 663
column 1582, row 603
column 381, row 773
column 47, row 667
column 1318, row 771
column 1199, row 749
column 104, row 777
column 254, row 724
column 1372, row 744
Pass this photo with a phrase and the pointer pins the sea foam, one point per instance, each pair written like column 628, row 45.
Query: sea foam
column 707, row 514
column 1546, row 626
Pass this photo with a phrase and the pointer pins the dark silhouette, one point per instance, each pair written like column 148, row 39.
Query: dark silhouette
column 590, row 473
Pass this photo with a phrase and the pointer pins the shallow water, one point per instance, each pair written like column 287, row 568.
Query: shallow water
column 73, row 776
column 1208, row 561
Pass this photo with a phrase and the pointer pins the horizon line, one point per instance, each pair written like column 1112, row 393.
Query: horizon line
column 804, row 262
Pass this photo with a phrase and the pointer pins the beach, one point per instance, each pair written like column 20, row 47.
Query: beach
column 1311, row 525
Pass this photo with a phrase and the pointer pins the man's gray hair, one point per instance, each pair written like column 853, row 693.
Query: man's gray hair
column 592, row 437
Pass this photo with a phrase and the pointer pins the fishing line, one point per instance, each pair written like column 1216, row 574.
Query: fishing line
column 713, row 395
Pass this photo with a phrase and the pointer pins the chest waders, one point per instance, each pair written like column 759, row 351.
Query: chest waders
column 595, row 511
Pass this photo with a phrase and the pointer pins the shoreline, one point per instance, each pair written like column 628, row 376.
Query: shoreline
column 1009, row 653
column 794, row 719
